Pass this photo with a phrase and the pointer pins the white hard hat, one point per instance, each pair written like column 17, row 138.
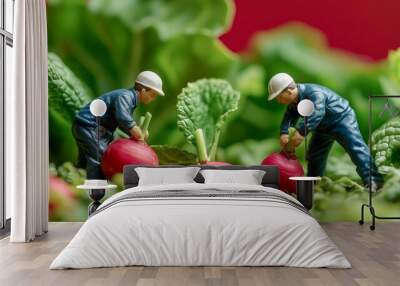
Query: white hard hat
column 151, row 80
column 278, row 83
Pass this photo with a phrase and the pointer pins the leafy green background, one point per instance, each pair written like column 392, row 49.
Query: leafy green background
column 100, row 45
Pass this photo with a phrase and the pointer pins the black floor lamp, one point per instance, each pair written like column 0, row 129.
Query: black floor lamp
column 96, row 187
column 305, row 184
column 369, row 205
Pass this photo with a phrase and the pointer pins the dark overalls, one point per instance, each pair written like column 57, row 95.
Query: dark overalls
column 120, row 105
column 333, row 119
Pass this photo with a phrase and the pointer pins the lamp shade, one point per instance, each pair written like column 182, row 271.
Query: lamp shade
column 305, row 107
column 98, row 107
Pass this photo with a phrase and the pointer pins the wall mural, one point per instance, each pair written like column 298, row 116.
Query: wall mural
column 175, row 94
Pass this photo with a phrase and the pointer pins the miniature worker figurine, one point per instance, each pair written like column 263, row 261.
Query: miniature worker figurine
column 333, row 119
column 120, row 105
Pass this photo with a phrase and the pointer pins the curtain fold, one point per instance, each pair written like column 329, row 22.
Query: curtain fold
column 27, row 124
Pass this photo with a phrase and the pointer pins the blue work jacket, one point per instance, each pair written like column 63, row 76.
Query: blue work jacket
column 120, row 105
column 329, row 109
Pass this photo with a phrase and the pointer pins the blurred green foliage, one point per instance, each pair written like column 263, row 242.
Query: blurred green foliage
column 391, row 79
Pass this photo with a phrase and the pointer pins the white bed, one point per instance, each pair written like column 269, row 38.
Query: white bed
column 250, row 225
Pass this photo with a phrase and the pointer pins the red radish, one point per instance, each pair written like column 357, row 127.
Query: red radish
column 59, row 185
column 288, row 165
column 62, row 199
column 123, row 152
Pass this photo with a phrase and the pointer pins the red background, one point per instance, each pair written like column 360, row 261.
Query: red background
column 365, row 27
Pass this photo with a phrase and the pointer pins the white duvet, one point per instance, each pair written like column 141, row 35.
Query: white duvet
column 183, row 231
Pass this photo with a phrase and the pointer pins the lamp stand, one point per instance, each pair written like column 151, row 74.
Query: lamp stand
column 305, row 137
column 96, row 195
column 98, row 137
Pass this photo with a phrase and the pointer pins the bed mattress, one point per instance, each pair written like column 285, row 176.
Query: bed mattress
column 201, row 225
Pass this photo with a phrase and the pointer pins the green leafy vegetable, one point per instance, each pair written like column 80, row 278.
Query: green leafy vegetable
column 386, row 145
column 172, row 155
column 206, row 104
column 249, row 152
column 67, row 94
column 250, row 80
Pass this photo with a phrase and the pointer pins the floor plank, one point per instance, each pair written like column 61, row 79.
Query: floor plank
column 375, row 257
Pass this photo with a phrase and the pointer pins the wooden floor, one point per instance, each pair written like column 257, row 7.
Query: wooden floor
column 375, row 257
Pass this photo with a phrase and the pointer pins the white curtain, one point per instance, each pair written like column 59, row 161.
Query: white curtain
column 27, row 124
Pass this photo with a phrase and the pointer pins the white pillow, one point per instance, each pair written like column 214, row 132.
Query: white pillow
column 248, row 177
column 163, row 176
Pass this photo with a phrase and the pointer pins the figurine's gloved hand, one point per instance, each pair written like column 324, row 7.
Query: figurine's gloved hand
column 297, row 139
column 284, row 140
column 136, row 133
column 146, row 135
